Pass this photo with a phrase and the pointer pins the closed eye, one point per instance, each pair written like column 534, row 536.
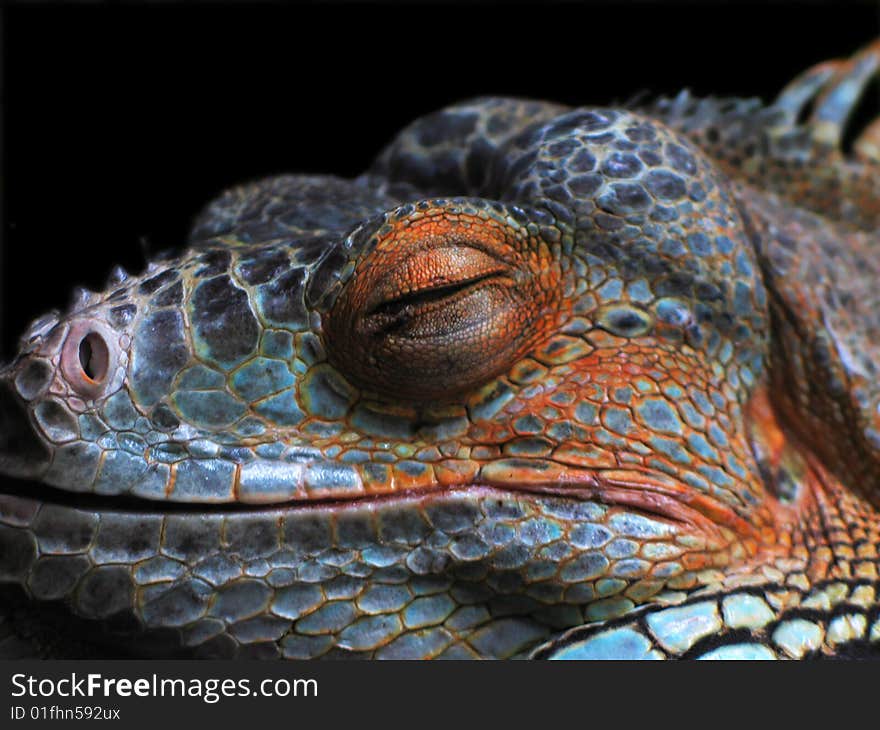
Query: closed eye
column 386, row 317
column 445, row 301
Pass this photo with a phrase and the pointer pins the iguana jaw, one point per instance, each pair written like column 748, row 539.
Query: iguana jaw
column 26, row 455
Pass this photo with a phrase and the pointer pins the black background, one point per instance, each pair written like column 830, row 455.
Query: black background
column 121, row 122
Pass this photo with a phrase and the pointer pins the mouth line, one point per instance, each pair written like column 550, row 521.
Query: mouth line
column 634, row 495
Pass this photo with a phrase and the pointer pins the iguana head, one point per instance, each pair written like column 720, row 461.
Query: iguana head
column 562, row 376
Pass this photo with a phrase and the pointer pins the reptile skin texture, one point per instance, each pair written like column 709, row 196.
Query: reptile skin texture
column 542, row 383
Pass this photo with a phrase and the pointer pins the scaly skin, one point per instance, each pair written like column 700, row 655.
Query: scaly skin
column 619, row 400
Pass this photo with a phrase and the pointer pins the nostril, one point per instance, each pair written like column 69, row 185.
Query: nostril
column 88, row 358
column 94, row 357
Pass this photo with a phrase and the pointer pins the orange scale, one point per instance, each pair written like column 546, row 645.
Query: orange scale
column 585, row 455
column 696, row 561
column 402, row 480
column 453, row 472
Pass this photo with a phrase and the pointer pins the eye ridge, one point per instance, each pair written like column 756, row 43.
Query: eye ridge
column 387, row 316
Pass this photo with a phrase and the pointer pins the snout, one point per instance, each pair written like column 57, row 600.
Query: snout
column 22, row 452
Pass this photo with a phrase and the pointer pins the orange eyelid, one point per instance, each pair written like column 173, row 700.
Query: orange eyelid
column 498, row 292
column 438, row 249
column 435, row 267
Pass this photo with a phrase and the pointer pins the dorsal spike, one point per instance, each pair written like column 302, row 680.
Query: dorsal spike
column 83, row 298
column 117, row 276
column 39, row 327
